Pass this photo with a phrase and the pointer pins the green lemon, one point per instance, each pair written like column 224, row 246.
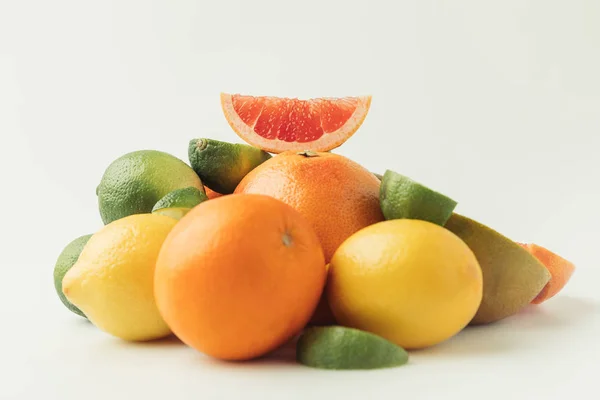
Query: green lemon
column 135, row 182
column 179, row 202
column 222, row 165
column 337, row 347
column 65, row 261
column 403, row 198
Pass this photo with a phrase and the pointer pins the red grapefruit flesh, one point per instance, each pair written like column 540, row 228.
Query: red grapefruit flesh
column 278, row 124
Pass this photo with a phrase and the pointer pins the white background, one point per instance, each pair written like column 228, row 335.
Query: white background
column 496, row 104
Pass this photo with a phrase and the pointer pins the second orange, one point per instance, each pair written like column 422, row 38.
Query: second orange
column 335, row 194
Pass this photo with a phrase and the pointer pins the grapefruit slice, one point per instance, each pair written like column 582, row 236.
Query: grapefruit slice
column 560, row 270
column 278, row 124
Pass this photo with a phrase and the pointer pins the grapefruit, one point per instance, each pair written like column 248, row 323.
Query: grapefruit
column 335, row 194
column 560, row 270
column 278, row 124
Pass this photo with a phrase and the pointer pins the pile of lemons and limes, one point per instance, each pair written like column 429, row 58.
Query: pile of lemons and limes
column 236, row 276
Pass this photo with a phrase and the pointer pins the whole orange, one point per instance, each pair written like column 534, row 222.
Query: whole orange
column 335, row 194
column 239, row 275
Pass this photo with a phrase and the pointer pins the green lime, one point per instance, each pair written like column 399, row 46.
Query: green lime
column 222, row 165
column 401, row 197
column 337, row 347
column 67, row 258
column 179, row 202
column 133, row 183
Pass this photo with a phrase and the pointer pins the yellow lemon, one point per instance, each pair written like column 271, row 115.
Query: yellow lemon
column 112, row 282
column 412, row 282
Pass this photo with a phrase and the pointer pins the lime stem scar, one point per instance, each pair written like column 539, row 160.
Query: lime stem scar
column 201, row 144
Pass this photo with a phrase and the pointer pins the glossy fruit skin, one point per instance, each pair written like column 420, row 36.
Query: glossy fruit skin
column 133, row 183
column 112, row 282
column 335, row 194
column 239, row 276
column 410, row 281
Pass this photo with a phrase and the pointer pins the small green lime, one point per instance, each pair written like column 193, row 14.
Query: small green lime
column 401, row 197
column 67, row 258
column 177, row 203
column 133, row 183
column 337, row 347
column 222, row 165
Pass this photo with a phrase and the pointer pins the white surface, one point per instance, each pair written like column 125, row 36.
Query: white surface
column 496, row 104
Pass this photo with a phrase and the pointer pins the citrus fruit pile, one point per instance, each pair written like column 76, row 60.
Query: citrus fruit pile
column 250, row 246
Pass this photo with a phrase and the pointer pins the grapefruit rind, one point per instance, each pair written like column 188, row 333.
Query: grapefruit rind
column 326, row 142
column 560, row 270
